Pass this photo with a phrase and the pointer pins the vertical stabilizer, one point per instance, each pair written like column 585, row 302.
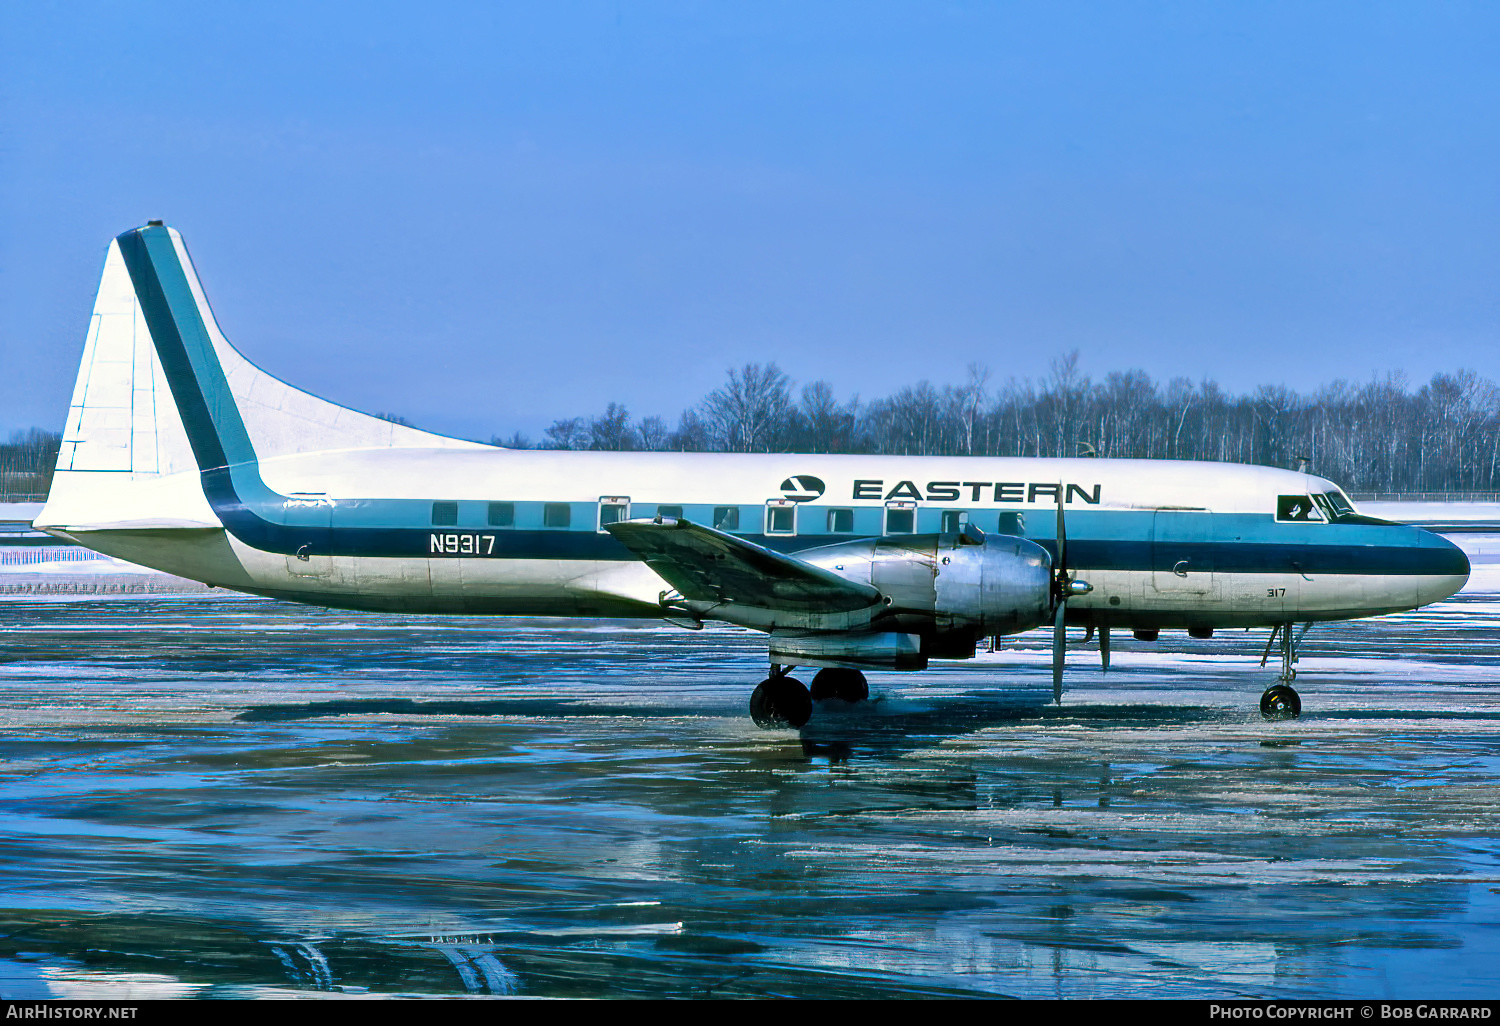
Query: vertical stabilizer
column 163, row 402
column 121, row 418
column 252, row 414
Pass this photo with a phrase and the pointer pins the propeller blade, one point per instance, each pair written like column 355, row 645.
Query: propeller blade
column 1059, row 649
column 1060, row 587
column 1104, row 646
column 1062, row 536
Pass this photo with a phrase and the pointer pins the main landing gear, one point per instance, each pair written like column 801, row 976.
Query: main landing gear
column 1281, row 701
column 782, row 700
column 840, row 682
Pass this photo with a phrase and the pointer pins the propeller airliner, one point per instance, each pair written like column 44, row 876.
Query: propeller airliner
column 181, row 455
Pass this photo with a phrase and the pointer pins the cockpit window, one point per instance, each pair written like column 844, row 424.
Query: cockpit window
column 1297, row 509
column 1333, row 506
column 1340, row 503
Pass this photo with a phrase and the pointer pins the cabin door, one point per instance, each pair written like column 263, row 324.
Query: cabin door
column 1182, row 554
column 310, row 516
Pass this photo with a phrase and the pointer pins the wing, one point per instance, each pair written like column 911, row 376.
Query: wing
column 710, row 566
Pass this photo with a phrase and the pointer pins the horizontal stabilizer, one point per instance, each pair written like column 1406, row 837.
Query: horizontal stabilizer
column 705, row 565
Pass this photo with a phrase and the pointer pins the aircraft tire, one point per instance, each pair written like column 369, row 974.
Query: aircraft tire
column 1280, row 702
column 840, row 682
column 780, row 702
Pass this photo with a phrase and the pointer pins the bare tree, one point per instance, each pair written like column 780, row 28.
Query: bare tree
column 827, row 425
column 753, row 411
column 691, row 434
column 1275, row 406
column 970, row 400
column 654, row 434
column 611, row 430
column 572, row 433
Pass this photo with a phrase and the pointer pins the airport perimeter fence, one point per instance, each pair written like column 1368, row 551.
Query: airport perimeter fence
column 32, row 555
column 1425, row 496
column 103, row 584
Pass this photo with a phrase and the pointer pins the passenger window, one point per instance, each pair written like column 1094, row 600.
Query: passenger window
column 613, row 509
column 675, row 512
column 444, row 514
column 557, row 514
column 781, row 517
column 502, row 514
column 900, row 517
column 954, row 520
column 841, row 521
column 1297, row 509
column 1013, row 523
column 727, row 518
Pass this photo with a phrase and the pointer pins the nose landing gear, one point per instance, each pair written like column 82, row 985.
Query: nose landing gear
column 1281, row 701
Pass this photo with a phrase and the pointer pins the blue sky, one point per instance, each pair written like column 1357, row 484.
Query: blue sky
column 484, row 217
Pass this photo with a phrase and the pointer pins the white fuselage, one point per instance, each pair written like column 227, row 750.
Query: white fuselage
column 1123, row 519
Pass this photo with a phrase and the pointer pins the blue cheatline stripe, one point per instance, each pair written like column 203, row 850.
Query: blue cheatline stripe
column 221, row 445
column 271, row 522
column 177, row 364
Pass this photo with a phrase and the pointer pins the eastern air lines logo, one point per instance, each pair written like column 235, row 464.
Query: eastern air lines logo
column 802, row 488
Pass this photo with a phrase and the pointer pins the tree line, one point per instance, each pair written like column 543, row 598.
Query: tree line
column 1380, row 436
column 26, row 463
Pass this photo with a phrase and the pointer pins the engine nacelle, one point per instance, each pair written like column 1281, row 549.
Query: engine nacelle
column 950, row 585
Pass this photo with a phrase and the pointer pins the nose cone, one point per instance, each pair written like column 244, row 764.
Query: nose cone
column 1443, row 567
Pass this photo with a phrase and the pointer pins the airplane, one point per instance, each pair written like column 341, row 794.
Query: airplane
column 181, row 455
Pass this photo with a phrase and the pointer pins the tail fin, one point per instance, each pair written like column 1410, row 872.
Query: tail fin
column 229, row 406
column 121, row 417
column 161, row 392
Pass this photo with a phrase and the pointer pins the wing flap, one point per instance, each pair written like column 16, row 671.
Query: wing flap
column 706, row 565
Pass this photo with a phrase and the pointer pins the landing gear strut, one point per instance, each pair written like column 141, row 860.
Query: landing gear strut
column 1281, row 701
column 780, row 700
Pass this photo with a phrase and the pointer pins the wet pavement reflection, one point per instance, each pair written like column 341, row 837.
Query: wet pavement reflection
column 220, row 796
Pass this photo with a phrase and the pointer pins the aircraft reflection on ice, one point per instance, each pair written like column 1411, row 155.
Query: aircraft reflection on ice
column 180, row 455
column 193, row 782
column 264, row 966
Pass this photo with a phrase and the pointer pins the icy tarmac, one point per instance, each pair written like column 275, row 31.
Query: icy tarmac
column 210, row 796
